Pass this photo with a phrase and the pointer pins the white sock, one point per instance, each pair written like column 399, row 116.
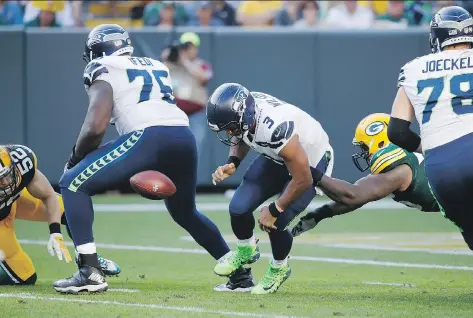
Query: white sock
column 88, row 248
column 250, row 241
column 276, row 263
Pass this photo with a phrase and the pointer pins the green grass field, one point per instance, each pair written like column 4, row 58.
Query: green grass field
column 377, row 263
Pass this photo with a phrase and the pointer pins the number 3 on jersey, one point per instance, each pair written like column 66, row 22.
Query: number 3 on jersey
column 166, row 91
column 462, row 100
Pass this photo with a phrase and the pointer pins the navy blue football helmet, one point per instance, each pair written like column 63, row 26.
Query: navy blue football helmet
column 449, row 26
column 106, row 40
column 231, row 108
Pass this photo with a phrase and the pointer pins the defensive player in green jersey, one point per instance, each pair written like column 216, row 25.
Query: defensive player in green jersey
column 395, row 172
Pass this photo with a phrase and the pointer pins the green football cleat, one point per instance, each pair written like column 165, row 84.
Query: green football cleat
column 272, row 279
column 230, row 262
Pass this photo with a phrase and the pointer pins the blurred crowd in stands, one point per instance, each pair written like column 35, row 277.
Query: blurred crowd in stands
column 164, row 14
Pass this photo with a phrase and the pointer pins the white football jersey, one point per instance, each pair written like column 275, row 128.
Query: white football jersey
column 277, row 122
column 142, row 92
column 440, row 87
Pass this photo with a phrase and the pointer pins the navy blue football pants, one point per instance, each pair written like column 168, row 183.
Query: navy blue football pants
column 263, row 179
column 168, row 149
column 449, row 169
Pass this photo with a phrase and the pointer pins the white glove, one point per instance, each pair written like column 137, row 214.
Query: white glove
column 56, row 244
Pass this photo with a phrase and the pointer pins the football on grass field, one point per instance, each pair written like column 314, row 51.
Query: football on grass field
column 152, row 185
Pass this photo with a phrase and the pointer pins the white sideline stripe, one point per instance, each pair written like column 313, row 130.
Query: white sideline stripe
column 153, row 306
column 267, row 255
column 398, row 249
column 363, row 247
column 118, row 290
column 124, row 290
column 390, row 284
column 160, row 207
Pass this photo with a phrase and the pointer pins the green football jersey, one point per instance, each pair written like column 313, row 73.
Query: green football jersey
column 418, row 194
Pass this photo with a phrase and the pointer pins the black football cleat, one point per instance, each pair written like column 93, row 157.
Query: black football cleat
column 87, row 278
column 239, row 282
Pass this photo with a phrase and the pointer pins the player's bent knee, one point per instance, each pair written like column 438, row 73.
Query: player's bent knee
column 180, row 218
column 239, row 208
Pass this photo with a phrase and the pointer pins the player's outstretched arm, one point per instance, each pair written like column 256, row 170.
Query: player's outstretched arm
column 311, row 219
column 97, row 118
column 402, row 115
column 370, row 188
column 297, row 163
column 238, row 152
column 40, row 188
column 353, row 196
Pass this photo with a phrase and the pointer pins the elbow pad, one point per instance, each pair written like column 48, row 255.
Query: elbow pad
column 400, row 134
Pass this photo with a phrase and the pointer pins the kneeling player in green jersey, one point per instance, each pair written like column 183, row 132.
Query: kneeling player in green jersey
column 395, row 172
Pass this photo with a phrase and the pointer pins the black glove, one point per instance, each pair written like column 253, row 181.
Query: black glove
column 311, row 219
column 306, row 223
column 73, row 160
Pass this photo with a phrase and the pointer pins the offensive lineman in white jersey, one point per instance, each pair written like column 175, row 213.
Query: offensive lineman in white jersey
column 134, row 93
column 294, row 154
column 438, row 90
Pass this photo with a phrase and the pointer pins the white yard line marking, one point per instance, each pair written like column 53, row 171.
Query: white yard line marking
column 390, row 284
column 118, row 290
column 463, row 252
column 160, row 207
column 153, row 306
column 124, row 290
column 398, row 249
column 267, row 255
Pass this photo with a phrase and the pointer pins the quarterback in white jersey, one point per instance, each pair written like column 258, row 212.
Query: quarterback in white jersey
column 135, row 94
column 438, row 90
column 294, row 154
column 274, row 118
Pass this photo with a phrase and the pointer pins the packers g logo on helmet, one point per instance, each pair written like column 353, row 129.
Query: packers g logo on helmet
column 371, row 134
column 374, row 128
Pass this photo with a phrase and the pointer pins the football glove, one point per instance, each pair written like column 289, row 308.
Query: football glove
column 56, row 244
column 306, row 223
column 73, row 160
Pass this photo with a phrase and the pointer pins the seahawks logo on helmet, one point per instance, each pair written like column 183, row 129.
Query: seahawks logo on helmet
column 96, row 38
column 102, row 37
column 240, row 98
column 374, row 128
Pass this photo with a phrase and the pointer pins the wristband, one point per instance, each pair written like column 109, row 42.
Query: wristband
column 235, row 160
column 54, row 228
column 274, row 210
